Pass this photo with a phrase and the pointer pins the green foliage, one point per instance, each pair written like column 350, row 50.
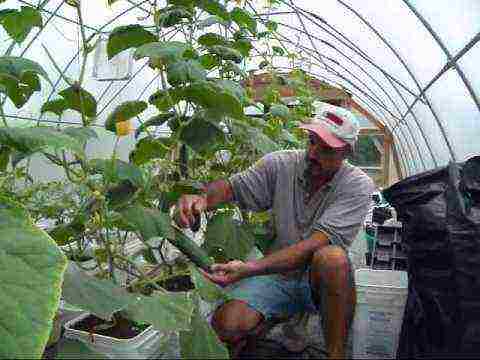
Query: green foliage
column 149, row 148
column 172, row 15
column 212, row 39
column 123, row 112
column 166, row 312
column 19, row 23
column 79, row 99
column 31, row 140
column 156, row 120
column 100, row 297
column 57, row 106
column 161, row 53
column 226, row 53
column 225, row 232
column 244, row 19
column 19, row 78
column 279, row 110
column 200, row 133
column 185, row 71
column 31, row 278
column 201, row 342
column 213, row 7
column 126, row 37
column 116, row 171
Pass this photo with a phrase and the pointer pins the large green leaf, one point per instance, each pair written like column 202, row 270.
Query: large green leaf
column 202, row 341
column 149, row 222
column 213, row 7
column 81, row 134
column 244, row 19
column 100, row 297
column 172, row 15
column 226, row 233
column 255, row 137
column 185, row 71
column 149, row 148
column 30, row 140
column 199, row 134
column 235, row 89
column 207, row 290
column 57, row 106
column 211, row 39
column 226, row 53
column 213, row 96
column 31, row 274
column 126, row 37
column 117, row 171
column 163, row 52
column 123, row 112
column 157, row 120
column 211, row 20
column 80, row 100
column 19, row 23
column 165, row 311
column 164, row 99
column 19, row 78
column 209, row 61
column 279, row 110
column 243, row 46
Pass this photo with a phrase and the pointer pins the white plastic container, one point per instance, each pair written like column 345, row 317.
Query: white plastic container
column 146, row 345
column 381, row 298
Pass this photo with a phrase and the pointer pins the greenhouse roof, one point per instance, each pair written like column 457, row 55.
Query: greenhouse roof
column 411, row 64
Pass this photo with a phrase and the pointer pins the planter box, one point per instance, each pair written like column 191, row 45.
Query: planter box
column 146, row 345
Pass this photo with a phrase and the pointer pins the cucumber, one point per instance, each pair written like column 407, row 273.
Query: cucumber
column 194, row 252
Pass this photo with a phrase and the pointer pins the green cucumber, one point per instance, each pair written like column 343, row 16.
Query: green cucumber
column 194, row 252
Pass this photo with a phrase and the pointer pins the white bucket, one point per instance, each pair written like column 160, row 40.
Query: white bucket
column 146, row 345
column 381, row 298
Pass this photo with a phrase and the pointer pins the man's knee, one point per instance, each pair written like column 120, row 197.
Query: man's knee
column 234, row 320
column 329, row 263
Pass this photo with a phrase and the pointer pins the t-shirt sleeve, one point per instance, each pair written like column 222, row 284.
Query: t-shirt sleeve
column 342, row 220
column 254, row 188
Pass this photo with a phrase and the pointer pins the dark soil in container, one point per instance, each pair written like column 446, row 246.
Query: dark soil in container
column 122, row 329
column 177, row 283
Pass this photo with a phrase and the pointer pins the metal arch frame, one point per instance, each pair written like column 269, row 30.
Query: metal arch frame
column 354, row 48
column 437, row 120
column 333, row 47
column 447, row 67
column 446, row 51
column 424, row 137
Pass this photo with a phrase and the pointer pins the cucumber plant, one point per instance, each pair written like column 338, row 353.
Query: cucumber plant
column 105, row 204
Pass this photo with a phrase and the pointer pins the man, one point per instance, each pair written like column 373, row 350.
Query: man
column 318, row 202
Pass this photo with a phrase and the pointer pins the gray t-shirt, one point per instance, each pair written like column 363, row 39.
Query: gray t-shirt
column 276, row 182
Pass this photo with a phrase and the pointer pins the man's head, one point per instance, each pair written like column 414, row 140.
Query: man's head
column 333, row 133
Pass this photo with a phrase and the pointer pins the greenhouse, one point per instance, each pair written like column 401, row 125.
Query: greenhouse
column 204, row 179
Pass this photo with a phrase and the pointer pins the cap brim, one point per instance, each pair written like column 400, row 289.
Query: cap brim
column 330, row 139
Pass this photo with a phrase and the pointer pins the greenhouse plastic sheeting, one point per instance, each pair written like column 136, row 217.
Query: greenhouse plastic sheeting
column 412, row 64
column 440, row 212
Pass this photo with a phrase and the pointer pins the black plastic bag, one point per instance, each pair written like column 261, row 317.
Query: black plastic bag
column 440, row 212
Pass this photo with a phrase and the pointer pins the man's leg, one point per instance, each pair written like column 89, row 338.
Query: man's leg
column 234, row 322
column 333, row 290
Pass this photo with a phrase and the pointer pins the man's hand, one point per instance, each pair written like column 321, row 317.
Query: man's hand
column 229, row 273
column 190, row 206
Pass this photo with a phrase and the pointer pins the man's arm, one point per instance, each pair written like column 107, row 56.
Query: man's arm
column 216, row 193
column 287, row 259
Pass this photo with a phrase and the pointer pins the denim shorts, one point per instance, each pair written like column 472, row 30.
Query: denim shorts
column 278, row 296
column 275, row 296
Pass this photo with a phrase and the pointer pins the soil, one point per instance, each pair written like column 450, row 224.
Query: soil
column 177, row 283
column 123, row 328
